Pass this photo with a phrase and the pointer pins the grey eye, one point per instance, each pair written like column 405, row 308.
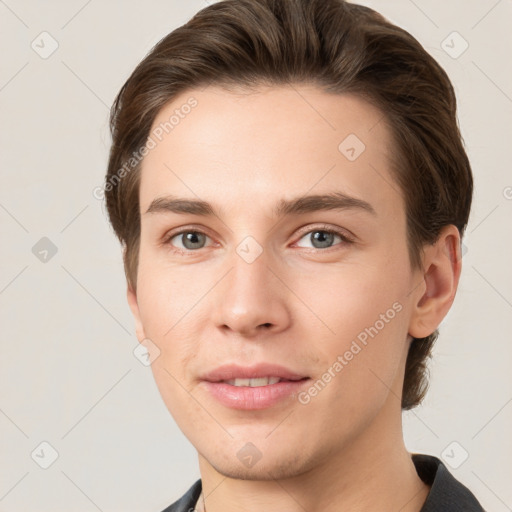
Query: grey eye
column 190, row 240
column 320, row 238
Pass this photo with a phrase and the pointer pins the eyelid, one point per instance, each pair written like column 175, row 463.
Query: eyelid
column 180, row 231
column 345, row 234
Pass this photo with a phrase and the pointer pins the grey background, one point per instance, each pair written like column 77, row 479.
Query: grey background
column 68, row 375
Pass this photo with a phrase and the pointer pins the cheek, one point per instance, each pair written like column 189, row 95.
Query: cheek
column 166, row 308
column 343, row 301
column 186, row 410
column 362, row 314
column 165, row 296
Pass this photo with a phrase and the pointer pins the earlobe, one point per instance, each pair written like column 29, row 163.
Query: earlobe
column 134, row 306
column 442, row 266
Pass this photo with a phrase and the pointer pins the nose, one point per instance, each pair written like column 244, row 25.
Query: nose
column 251, row 299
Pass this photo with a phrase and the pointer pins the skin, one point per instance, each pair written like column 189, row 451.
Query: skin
column 243, row 153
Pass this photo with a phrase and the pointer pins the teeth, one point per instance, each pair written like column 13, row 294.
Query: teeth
column 262, row 381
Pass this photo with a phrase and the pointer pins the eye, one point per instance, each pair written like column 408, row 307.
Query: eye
column 190, row 240
column 323, row 238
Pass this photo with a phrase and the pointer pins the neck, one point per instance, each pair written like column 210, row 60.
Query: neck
column 374, row 472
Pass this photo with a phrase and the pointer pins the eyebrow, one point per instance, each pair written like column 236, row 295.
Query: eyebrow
column 298, row 205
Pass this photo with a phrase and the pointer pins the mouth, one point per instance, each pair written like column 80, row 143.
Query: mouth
column 259, row 382
column 251, row 388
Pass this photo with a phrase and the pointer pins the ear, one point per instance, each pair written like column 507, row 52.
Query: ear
column 442, row 263
column 134, row 306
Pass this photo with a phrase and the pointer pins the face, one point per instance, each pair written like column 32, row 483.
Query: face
column 267, row 275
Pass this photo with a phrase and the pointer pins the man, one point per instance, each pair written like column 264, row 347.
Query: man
column 289, row 185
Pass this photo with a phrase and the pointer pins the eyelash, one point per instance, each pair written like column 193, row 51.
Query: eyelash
column 325, row 229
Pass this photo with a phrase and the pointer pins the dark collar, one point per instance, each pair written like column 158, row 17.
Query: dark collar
column 446, row 494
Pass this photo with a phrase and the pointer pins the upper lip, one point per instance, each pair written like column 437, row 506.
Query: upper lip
column 234, row 371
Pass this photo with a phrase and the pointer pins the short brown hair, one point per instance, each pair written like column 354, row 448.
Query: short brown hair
column 338, row 46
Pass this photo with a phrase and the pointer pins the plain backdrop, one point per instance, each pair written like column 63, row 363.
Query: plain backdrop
column 68, row 375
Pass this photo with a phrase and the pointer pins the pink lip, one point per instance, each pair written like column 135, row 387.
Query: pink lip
column 234, row 371
column 252, row 398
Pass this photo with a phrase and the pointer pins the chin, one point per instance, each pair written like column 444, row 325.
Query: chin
column 262, row 461
column 268, row 470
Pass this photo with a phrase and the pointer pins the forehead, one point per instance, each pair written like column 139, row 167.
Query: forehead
column 249, row 148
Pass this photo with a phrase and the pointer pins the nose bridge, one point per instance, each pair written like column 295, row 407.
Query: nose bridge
column 250, row 294
column 250, row 268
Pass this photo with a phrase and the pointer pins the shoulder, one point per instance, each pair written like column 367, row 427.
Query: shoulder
column 188, row 501
column 446, row 493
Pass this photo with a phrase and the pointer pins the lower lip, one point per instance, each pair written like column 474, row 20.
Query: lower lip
column 253, row 398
